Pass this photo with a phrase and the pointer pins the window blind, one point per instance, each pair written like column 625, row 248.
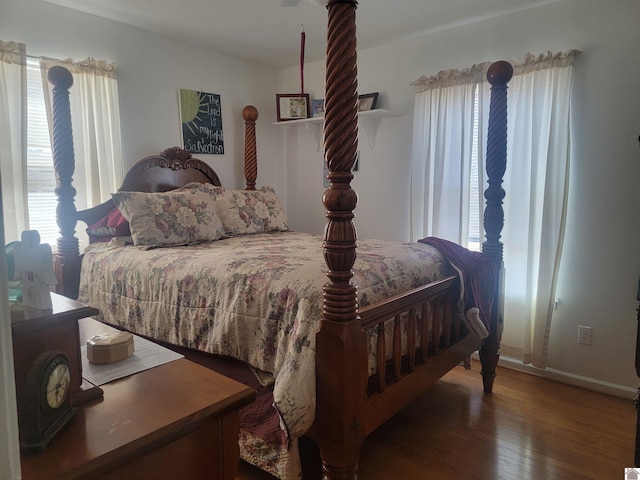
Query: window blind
column 41, row 180
column 474, row 196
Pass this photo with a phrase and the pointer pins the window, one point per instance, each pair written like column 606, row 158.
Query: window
column 447, row 184
column 28, row 176
column 41, row 180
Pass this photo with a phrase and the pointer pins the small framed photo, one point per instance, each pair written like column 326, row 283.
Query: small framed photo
column 317, row 107
column 292, row 106
column 367, row 101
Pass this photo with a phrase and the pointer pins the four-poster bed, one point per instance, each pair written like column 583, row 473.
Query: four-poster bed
column 369, row 361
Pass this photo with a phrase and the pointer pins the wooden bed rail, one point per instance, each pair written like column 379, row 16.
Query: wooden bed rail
column 373, row 314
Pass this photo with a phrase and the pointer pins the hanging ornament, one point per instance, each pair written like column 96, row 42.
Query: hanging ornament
column 302, row 42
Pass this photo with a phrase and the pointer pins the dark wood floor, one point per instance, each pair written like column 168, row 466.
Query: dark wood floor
column 529, row 429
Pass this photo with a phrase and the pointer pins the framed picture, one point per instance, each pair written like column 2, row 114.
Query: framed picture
column 367, row 101
column 201, row 121
column 292, row 106
column 317, row 107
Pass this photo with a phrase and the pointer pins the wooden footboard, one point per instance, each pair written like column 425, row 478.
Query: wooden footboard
column 428, row 338
column 417, row 337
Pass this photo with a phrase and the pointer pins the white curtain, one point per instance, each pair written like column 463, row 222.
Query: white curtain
column 13, row 220
column 443, row 128
column 95, row 116
column 536, row 182
column 9, row 445
column 13, row 138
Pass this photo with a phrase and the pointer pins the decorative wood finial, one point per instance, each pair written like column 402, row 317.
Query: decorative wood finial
column 500, row 72
column 60, row 77
column 250, row 113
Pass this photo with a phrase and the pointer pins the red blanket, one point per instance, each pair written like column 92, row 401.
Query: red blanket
column 479, row 275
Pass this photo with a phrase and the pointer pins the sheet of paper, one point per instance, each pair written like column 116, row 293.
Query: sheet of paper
column 146, row 355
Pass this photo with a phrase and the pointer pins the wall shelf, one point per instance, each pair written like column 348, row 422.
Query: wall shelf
column 368, row 120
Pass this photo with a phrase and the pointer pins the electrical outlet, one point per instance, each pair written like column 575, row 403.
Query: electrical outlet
column 584, row 335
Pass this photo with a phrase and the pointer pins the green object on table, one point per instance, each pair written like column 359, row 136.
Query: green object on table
column 15, row 290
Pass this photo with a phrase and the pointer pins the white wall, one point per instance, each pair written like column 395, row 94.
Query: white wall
column 601, row 261
column 151, row 70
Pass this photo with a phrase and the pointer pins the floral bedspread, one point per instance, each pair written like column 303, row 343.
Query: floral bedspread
column 257, row 298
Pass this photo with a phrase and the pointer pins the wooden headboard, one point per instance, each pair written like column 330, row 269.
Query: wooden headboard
column 170, row 169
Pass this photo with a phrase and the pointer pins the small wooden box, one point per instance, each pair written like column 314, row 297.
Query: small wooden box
column 110, row 347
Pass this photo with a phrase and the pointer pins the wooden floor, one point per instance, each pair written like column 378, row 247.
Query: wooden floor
column 529, row 429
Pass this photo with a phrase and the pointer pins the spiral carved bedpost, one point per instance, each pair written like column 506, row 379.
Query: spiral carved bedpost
column 340, row 431
column 250, row 115
column 499, row 74
column 68, row 253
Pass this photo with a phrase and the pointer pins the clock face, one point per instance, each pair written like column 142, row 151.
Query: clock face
column 56, row 382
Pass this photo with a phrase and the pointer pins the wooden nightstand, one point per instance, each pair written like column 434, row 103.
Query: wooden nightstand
column 177, row 420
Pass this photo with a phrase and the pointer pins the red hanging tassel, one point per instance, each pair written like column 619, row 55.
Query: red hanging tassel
column 302, row 39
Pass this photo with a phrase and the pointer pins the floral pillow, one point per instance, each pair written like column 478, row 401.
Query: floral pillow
column 181, row 217
column 249, row 211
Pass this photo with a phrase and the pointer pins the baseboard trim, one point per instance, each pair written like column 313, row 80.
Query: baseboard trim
column 570, row 378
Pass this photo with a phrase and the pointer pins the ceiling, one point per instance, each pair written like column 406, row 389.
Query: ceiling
column 265, row 32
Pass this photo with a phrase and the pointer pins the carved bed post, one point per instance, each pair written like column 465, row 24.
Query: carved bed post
column 68, row 254
column 250, row 115
column 499, row 74
column 341, row 371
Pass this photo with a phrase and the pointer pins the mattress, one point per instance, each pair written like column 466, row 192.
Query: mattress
column 256, row 298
